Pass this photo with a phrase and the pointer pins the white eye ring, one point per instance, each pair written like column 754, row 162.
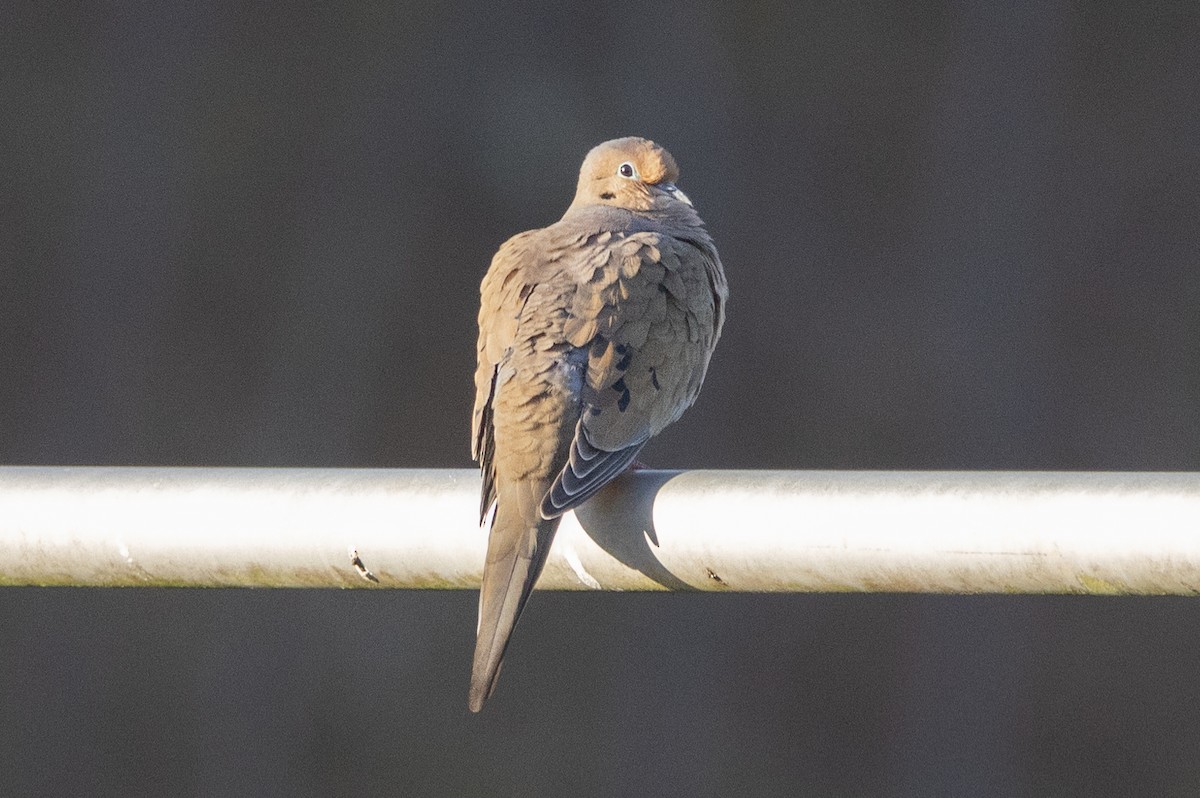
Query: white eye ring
column 628, row 170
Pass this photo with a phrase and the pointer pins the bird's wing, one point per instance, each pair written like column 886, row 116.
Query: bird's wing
column 505, row 290
column 649, row 314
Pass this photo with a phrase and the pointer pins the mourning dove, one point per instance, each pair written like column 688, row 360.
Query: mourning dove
column 594, row 334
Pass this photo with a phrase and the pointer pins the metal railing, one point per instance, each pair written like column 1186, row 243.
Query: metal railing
column 785, row 531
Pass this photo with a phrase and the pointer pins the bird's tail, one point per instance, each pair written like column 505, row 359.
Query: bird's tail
column 517, row 548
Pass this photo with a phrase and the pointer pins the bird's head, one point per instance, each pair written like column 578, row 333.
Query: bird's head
column 631, row 173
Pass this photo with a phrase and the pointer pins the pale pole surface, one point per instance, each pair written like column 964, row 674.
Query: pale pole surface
column 785, row 531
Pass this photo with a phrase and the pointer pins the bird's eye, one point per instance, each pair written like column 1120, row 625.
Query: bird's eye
column 627, row 169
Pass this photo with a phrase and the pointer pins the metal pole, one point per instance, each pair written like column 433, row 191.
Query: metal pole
column 787, row 531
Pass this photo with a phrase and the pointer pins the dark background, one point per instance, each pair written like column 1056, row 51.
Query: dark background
column 957, row 235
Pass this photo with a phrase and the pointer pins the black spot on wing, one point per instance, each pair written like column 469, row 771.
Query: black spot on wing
column 588, row 469
column 626, row 353
column 623, row 400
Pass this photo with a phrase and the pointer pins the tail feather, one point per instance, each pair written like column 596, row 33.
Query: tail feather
column 517, row 548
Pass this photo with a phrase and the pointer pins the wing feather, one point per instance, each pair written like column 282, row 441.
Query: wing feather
column 648, row 312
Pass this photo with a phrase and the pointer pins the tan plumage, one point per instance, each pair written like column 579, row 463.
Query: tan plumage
column 594, row 334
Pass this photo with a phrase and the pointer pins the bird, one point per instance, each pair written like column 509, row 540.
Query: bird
column 595, row 333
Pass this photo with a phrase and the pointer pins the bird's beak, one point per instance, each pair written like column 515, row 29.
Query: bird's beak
column 674, row 191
